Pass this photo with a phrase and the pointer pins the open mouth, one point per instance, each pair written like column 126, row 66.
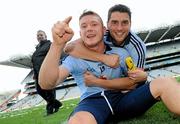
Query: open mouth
column 91, row 35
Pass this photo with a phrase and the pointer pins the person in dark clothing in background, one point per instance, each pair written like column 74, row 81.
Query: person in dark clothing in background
column 38, row 56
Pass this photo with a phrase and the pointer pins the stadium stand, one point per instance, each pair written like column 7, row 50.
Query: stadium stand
column 10, row 100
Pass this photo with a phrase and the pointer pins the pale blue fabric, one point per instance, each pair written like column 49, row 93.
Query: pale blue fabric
column 78, row 66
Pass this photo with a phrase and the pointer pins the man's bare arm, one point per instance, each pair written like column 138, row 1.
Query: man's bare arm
column 50, row 72
column 77, row 49
column 116, row 84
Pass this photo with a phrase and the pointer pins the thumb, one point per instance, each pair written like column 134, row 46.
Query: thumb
column 67, row 20
column 69, row 30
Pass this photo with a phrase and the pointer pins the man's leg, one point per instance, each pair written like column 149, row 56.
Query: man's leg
column 41, row 92
column 92, row 110
column 57, row 105
column 168, row 90
column 133, row 103
column 49, row 109
column 48, row 96
column 82, row 118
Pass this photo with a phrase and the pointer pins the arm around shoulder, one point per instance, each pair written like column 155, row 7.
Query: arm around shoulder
column 77, row 49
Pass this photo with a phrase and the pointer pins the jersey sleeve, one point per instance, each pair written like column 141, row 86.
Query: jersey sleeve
column 137, row 50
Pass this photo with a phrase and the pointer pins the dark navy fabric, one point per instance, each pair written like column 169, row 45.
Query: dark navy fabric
column 125, row 105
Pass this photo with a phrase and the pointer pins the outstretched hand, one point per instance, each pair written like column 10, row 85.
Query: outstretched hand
column 61, row 31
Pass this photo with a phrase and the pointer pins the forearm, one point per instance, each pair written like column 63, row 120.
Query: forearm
column 49, row 72
column 116, row 84
column 77, row 49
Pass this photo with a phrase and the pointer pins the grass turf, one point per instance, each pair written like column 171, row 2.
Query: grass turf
column 158, row 114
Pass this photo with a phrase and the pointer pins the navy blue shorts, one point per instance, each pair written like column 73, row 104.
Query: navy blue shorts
column 124, row 105
column 133, row 103
column 96, row 105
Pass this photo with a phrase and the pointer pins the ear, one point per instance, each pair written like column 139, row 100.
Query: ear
column 80, row 33
column 104, row 29
column 107, row 25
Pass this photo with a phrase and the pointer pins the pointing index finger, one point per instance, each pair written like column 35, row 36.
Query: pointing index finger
column 67, row 20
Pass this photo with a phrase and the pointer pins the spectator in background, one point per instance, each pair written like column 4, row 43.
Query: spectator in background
column 37, row 58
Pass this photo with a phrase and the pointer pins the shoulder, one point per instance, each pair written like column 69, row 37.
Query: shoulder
column 74, row 65
column 48, row 42
column 68, row 58
column 46, row 45
column 135, row 38
column 135, row 42
column 119, row 51
column 71, row 61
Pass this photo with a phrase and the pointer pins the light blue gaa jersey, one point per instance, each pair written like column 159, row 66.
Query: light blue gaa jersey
column 78, row 66
column 133, row 44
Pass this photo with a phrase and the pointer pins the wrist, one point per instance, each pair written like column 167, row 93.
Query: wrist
column 98, row 81
column 57, row 45
column 101, row 58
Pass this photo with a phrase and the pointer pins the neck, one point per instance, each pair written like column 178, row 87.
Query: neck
column 100, row 48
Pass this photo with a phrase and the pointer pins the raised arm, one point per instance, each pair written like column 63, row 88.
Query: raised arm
column 50, row 72
column 77, row 49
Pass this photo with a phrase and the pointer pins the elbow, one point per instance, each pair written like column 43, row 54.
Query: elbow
column 47, row 83
column 46, row 86
column 69, row 48
column 42, row 85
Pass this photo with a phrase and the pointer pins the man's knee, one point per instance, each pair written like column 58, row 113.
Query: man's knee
column 158, row 85
column 82, row 118
column 163, row 82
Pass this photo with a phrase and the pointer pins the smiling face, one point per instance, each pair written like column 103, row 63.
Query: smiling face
column 91, row 30
column 41, row 36
column 119, row 25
